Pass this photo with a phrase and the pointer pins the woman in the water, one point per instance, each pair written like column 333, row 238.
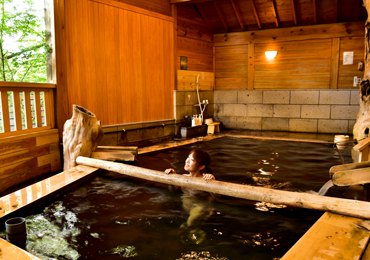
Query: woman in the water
column 195, row 202
column 197, row 165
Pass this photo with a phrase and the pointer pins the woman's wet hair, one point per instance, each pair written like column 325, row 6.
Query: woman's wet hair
column 202, row 158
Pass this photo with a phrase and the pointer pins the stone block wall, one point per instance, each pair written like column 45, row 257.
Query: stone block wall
column 185, row 101
column 313, row 111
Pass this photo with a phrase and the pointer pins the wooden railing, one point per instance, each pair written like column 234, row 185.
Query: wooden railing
column 26, row 108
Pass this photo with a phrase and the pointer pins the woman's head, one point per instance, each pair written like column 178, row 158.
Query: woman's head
column 197, row 160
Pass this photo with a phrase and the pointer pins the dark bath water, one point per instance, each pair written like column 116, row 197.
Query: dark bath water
column 114, row 217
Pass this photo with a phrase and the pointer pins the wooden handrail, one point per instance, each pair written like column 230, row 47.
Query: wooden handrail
column 27, row 113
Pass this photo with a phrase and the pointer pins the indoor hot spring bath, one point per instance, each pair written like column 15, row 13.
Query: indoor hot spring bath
column 113, row 216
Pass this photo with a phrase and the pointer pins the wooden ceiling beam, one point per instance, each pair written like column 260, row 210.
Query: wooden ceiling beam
column 275, row 13
column 294, row 13
column 221, row 14
column 314, row 11
column 256, row 14
column 203, row 14
column 187, row 2
column 238, row 14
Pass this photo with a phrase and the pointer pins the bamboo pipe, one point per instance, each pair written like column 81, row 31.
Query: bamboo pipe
column 347, row 207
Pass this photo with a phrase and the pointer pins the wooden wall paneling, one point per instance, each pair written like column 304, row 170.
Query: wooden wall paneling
column 251, row 66
column 299, row 64
column 72, row 54
column 123, row 54
column 232, row 67
column 117, row 66
column 27, row 99
column 169, row 63
column 80, row 41
column 62, row 100
column 348, row 72
column 102, row 64
column 97, row 89
column 199, row 53
column 17, row 111
column 325, row 31
column 110, row 72
column 187, row 80
column 175, row 30
column 334, row 63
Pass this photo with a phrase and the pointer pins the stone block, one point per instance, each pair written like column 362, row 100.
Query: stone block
column 355, row 97
column 303, row 125
column 289, row 111
column 249, row 123
column 276, row 96
column 344, row 112
column 207, row 95
column 335, row 97
column 307, row 97
column 275, row 124
column 226, row 96
column 351, row 124
column 190, row 98
column 235, row 110
column 259, row 110
column 181, row 111
column 332, row 126
column 315, row 111
column 109, row 139
column 179, row 98
column 227, row 121
column 130, row 136
column 249, row 96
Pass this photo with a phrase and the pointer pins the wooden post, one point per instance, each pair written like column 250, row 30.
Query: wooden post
column 347, row 207
column 81, row 136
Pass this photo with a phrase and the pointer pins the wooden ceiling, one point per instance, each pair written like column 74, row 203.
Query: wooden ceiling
column 244, row 15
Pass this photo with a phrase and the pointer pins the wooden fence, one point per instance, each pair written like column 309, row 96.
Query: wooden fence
column 26, row 108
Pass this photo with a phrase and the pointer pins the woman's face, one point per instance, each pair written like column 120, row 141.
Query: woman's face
column 191, row 165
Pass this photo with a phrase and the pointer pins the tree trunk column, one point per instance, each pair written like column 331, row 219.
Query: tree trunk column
column 361, row 128
column 81, row 136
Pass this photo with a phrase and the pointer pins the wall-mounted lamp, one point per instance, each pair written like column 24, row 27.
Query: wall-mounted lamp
column 270, row 54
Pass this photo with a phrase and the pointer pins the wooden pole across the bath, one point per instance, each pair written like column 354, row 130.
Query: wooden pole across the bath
column 347, row 207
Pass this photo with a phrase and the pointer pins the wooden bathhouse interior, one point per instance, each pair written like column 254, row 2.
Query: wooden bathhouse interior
column 150, row 73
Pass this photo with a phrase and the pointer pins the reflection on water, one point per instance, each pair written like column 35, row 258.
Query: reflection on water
column 115, row 217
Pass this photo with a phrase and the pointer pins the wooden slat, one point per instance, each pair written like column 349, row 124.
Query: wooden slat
column 334, row 63
column 251, row 66
column 5, row 112
column 27, row 97
column 238, row 14
column 256, row 14
column 38, row 109
column 275, row 13
column 221, row 14
column 187, row 80
column 294, row 12
column 17, row 111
